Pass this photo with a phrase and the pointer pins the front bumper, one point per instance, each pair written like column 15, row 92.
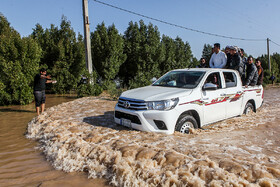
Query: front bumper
column 145, row 120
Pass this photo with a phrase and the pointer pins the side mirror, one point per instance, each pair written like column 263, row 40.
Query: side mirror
column 209, row 86
column 153, row 80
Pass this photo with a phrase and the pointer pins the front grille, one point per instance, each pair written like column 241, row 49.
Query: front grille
column 132, row 118
column 132, row 104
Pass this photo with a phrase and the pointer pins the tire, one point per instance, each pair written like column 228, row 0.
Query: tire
column 248, row 108
column 185, row 123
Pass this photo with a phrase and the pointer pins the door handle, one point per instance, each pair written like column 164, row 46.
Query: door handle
column 223, row 94
column 239, row 92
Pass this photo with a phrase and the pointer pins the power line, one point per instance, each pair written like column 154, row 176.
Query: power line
column 179, row 26
column 242, row 15
column 275, row 43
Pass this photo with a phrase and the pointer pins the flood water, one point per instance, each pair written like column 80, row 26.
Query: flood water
column 80, row 137
column 20, row 163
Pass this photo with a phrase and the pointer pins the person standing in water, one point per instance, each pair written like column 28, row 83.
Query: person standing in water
column 40, row 81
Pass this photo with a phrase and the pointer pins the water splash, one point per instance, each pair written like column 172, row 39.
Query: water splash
column 81, row 136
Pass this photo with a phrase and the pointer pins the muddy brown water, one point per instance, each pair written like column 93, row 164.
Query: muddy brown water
column 20, row 163
column 81, row 136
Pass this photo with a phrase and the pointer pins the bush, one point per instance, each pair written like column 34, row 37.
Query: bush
column 113, row 91
column 89, row 90
column 85, row 88
column 139, row 80
column 5, row 98
column 66, row 81
column 19, row 62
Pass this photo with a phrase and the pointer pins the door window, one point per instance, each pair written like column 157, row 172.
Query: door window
column 230, row 79
column 214, row 78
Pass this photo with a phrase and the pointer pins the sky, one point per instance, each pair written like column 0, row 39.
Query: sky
column 247, row 19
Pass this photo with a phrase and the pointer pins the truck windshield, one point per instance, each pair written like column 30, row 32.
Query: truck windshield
column 180, row 79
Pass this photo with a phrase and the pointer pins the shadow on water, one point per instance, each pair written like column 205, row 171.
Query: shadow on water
column 106, row 120
column 108, row 99
column 76, row 97
column 65, row 96
column 15, row 110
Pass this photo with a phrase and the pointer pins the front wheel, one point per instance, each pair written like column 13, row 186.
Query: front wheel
column 249, row 108
column 185, row 123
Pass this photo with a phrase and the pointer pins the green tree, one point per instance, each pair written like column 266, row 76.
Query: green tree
column 275, row 65
column 275, row 58
column 168, row 63
column 195, row 62
column 63, row 54
column 107, row 52
column 19, row 62
column 177, row 54
column 144, row 52
column 207, row 52
column 183, row 54
column 132, row 50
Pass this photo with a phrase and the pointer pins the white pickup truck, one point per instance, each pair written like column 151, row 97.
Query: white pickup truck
column 187, row 98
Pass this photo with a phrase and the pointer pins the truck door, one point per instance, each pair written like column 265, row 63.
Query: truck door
column 234, row 94
column 214, row 103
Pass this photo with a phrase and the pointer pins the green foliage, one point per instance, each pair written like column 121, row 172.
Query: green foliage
column 144, row 52
column 195, row 62
column 275, row 67
column 5, row 98
column 183, row 53
column 107, row 52
column 63, row 54
column 139, row 80
column 136, row 57
column 66, row 81
column 19, row 62
column 132, row 50
column 87, row 88
column 113, row 91
column 177, row 54
column 266, row 77
column 207, row 52
column 168, row 46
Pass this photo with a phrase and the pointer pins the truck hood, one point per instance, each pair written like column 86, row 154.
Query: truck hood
column 155, row 93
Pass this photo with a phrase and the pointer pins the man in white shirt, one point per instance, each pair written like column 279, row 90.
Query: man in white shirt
column 218, row 58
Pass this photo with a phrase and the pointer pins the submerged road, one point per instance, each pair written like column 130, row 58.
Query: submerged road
column 81, row 136
column 20, row 163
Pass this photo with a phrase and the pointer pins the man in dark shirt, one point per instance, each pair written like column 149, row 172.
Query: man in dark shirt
column 40, row 81
column 234, row 61
column 252, row 73
column 244, row 60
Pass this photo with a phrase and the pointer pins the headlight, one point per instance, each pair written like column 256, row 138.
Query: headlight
column 162, row 105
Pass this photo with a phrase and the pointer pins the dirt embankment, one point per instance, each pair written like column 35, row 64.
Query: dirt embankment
column 242, row 151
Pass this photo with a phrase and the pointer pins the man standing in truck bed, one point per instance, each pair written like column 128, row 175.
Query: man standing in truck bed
column 218, row 58
column 251, row 73
column 234, row 61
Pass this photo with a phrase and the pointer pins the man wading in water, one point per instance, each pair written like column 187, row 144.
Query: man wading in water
column 40, row 81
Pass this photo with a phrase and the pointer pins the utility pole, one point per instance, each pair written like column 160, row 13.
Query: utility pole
column 87, row 36
column 269, row 64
